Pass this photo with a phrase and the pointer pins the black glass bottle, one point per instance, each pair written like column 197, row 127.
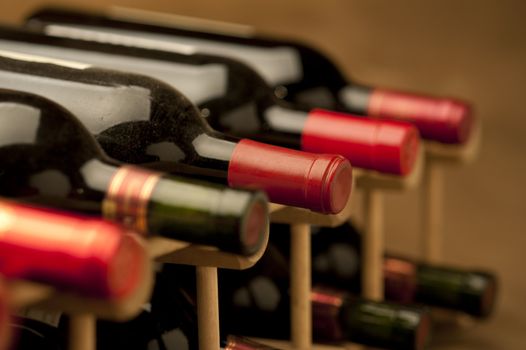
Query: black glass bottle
column 39, row 329
column 167, row 322
column 138, row 119
column 234, row 98
column 299, row 73
column 336, row 262
column 48, row 158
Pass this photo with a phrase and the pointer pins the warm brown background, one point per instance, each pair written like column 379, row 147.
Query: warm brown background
column 471, row 49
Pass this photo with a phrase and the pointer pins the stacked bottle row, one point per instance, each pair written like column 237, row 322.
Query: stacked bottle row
column 164, row 131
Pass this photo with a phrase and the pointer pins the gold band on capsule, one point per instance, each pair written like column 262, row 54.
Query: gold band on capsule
column 128, row 196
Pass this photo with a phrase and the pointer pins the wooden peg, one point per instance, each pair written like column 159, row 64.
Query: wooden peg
column 82, row 332
column 300, row 286
column 207, row 308
column 373, row 245
column 432, row 218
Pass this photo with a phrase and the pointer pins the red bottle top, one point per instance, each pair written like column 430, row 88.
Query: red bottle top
column 400, row 280
column 385, row 146
column 88, row 256
column 441, row 119
column 320, row 182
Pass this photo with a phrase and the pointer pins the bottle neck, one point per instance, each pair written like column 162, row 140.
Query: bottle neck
column 355, row 98
column 385, row 325
column 257, row 116
column 178, row 208
column 338, row 316
column 473, row 292
column 442, row 119
column 284, row 126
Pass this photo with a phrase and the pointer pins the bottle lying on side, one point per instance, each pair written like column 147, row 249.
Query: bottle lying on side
column 5, row 317
column 168, row 322
column 235, row 99
column 255, row 302
column 298, row 73
column 137, row 119
column 336, row 262
column 48, row 158
column 87, row 256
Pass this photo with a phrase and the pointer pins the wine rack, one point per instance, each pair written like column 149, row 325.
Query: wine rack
column 428, row 171
column 426, row 174
column 208, row 260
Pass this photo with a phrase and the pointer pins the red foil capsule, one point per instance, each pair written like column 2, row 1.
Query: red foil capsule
column 320, row 182
column 385, row 146
column 441, row 119
column 326, row 309
column 88, row 256
column 400, row 280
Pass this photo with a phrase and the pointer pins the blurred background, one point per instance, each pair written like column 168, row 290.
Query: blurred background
column 468, row 49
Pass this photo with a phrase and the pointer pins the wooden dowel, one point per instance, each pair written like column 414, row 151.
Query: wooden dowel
column 82, row 332
column 373, row 245
column 207, row 308
column 300, row 287
column 432, row 203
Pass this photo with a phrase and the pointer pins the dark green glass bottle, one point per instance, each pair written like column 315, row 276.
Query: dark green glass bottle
column 336, row 262
column 471, row 291
column 298, row 73
column 234, row 98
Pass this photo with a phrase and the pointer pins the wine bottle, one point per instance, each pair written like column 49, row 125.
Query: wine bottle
column 255, row 303
column 297, row 72
column 47, row 157
column 87, row 256
column 39, row 329
column 336, row 262
column 235, row 99
column 138, row 119
column 168, row 322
